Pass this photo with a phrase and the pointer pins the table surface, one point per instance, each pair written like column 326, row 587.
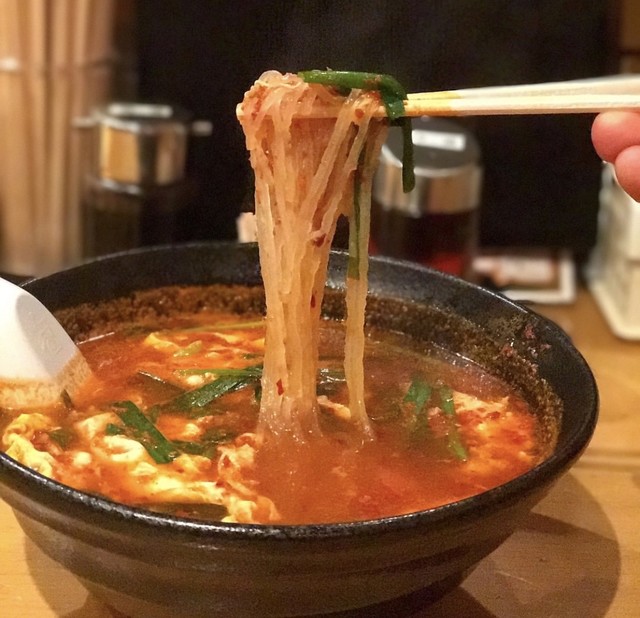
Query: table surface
column 577, row 555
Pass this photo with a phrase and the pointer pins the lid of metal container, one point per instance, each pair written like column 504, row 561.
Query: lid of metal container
column 142, row 144
column 447, row 161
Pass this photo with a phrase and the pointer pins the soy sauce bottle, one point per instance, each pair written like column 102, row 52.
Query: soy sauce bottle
column 137, row 190
column 436, row 223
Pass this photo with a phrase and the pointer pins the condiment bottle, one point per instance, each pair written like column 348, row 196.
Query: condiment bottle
column 138, row 186
column 436, row 223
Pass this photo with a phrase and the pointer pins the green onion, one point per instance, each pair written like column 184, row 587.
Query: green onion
column 448, row 408
column 160, row 386
column 62, row 437
column 201, row 397
column 353, row 264
column 138, row 426
column 419, row 394
column 212, row 328
column 390, row 89
column 141, row 429
column 112, row 429
column 393, row 96
column 254, row 371
column 208, row 443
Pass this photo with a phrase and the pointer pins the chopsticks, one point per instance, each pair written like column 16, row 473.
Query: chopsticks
column 618, row 92
column 580, row 96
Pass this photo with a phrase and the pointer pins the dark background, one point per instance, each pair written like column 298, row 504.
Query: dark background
column 541, row 174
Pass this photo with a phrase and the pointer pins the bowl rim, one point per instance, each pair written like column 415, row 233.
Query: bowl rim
column 87, row 507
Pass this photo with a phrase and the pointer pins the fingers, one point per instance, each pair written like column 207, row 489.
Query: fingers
column 612, row 132
column 627, row 166
column 616, row 138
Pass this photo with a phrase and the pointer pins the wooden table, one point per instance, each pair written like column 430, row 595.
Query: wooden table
column 578, row 554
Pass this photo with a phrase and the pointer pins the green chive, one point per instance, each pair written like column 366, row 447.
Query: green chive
column 419, row 394
column 144, row 431
column 390, row 89
column 201, row 397
column 62, row 437
column 453, row 436
column 353, row 263
column 255, row 371
column 393, row 95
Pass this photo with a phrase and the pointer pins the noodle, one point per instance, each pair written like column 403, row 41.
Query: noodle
column 308, row 172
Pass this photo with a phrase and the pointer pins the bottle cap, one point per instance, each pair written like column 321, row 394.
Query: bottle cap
column 140, row 143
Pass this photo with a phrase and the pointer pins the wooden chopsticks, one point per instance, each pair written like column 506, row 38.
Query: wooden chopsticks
column 615, row 92
column 618, row 92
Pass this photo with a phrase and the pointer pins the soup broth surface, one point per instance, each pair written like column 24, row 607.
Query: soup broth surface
column 168, row 422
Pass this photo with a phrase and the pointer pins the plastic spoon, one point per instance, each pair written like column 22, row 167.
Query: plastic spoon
column 39, row 362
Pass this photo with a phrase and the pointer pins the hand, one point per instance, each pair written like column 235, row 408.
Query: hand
column 616, row 138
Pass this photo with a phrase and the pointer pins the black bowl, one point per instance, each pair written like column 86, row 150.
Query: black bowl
column 144, row 564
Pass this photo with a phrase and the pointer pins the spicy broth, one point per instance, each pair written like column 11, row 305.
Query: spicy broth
column 444, row 429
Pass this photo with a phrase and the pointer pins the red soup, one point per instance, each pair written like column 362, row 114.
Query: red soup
column 168, row 422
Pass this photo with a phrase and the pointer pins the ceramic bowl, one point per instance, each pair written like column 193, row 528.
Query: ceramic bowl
column 156, row 566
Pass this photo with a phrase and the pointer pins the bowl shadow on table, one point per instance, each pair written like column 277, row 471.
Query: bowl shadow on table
column 548, row 567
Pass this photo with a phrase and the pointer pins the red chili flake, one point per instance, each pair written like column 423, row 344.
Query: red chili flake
column 313, row 301
column 319, row 241
column 359, row 114
column 280, row 387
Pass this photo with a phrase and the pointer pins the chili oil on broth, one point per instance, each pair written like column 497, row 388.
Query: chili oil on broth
column 220, row 468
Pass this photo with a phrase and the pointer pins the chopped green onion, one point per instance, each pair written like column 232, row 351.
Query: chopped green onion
column 212, row 328
column 201, row 397
column 393, row 96
column 160, row 385
column 355, row 220
column 141, row 429
column 453, row 436
column 62, row 437
column 390, row 89
column 208, row 443
column 112, row 429
column 419, row 394
column 254, row 371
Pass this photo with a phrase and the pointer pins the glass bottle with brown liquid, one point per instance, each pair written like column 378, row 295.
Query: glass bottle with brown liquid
column 436, row 223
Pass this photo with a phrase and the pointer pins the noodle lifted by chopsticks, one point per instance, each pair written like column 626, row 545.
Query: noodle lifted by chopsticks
column 309, row 171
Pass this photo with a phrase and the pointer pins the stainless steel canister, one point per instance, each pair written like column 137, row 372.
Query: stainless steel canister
column 138, row 187
column 435, row 223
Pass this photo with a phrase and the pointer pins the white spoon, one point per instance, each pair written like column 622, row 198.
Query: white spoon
column 39, row 362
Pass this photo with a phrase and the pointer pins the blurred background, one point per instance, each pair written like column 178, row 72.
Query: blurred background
column 540, row 176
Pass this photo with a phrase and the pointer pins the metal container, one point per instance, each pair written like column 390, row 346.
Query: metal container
column 138, row 185
column 435, row 223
